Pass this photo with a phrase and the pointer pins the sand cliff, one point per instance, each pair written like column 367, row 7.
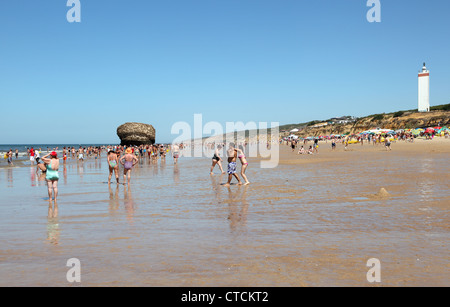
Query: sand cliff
column 394, row 121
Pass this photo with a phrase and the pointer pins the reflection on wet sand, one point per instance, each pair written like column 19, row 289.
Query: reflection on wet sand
column 80, row 169
column 217, row 187
column 128, row 203
column 65, row 173
column 113, row 198
column 33, row 175
column 41, row 180
column 176, row 173
column 238, row 208
column 53, row 231
column 10, row 177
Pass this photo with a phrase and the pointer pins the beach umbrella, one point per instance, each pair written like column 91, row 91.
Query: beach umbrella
column 429, row 130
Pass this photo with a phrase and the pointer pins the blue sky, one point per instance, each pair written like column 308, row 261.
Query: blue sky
column 160, row 62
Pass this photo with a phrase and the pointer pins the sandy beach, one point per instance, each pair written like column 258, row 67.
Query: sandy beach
column 314, row 220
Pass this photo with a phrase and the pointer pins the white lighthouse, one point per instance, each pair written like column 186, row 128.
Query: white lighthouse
column 424, row 90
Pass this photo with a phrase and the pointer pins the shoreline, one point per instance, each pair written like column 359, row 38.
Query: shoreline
column 324, row 150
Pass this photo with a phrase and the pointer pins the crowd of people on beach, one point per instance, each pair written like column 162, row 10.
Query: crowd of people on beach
column 345, row 140
column 129, row 156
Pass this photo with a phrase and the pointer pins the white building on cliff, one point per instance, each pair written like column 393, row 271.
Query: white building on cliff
column 424, row 90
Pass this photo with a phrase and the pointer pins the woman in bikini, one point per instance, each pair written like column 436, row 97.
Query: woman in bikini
column 51, row 175
column 244, row 163
column 128, row 161
column 216, row 159
column 113, row 162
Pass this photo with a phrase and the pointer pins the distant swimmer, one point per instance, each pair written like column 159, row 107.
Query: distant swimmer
column 51, row 174
column 113, row 163
column 128, row 161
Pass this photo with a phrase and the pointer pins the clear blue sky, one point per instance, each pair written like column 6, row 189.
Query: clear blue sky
column 159, row 62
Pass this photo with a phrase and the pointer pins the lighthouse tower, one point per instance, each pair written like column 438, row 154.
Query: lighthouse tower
column 424, row 90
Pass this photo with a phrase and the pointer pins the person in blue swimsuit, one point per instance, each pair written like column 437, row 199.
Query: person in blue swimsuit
column 113, row 162
column 51, row 175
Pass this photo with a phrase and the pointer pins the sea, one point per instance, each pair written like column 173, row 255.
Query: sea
column 43, row 148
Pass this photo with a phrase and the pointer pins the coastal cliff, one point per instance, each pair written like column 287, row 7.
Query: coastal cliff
column 394, row 121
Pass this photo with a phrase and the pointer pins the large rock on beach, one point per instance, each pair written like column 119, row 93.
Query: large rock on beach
column 136, row 134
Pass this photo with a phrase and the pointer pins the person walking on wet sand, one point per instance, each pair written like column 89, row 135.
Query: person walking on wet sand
column 232, row 156
column 387, row 144
column 175, row 152
column 10, row 157
column 216, row 159
column 128, row 161
column 113, row 163
column 31, row 155
column 51, row 175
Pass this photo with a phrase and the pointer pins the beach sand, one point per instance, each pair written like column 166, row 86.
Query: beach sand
column 315, row 220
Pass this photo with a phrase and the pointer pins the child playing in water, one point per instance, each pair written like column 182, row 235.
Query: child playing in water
column 232, row 156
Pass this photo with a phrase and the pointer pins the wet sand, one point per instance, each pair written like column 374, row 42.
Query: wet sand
column 314, row 220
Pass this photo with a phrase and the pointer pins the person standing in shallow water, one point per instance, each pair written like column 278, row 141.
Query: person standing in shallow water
column 51, row 175
column 128, row 161
column 113, row 163
column 175, row 152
